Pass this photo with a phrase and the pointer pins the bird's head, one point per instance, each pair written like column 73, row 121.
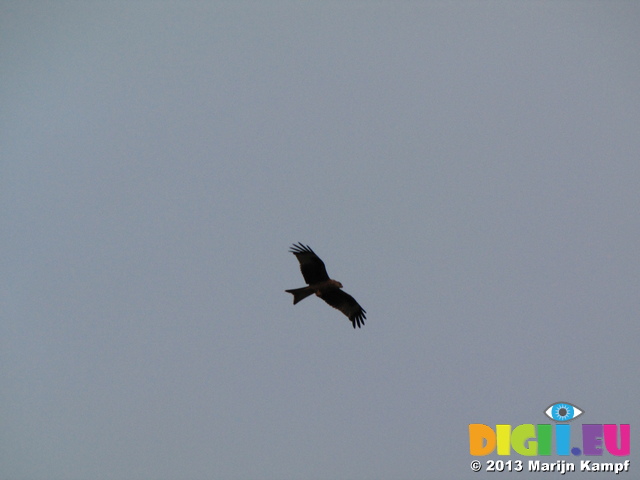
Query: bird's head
column 337, row 284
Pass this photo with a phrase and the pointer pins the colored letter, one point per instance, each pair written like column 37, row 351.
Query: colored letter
column 563, row 434
column 503, row 432
column 611, row 439
column 521, row 435
column 478, row 433
column 544, row 439
column 592, row 439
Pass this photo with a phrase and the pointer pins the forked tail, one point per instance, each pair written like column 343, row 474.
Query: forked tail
column 300, row 293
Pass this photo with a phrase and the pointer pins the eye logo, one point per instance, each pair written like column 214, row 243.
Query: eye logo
column 563, row 412
column 531, row 440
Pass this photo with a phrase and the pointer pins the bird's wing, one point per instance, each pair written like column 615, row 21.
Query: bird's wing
column 312, row 268
column 346, row 304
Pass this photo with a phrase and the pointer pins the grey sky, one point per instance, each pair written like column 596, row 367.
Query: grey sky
column 468, row 170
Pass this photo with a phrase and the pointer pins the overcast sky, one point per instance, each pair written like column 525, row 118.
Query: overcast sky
column 468, row 170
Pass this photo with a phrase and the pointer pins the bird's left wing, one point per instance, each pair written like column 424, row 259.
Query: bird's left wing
column 311, row 266
column 346, row 304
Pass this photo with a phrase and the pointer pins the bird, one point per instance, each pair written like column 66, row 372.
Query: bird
column 329, row 290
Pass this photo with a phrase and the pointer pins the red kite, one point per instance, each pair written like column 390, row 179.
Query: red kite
column 315, row 274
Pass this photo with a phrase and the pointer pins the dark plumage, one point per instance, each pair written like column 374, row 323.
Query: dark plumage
column 315, row 274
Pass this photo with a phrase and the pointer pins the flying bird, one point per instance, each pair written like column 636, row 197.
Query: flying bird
column 315, row 274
